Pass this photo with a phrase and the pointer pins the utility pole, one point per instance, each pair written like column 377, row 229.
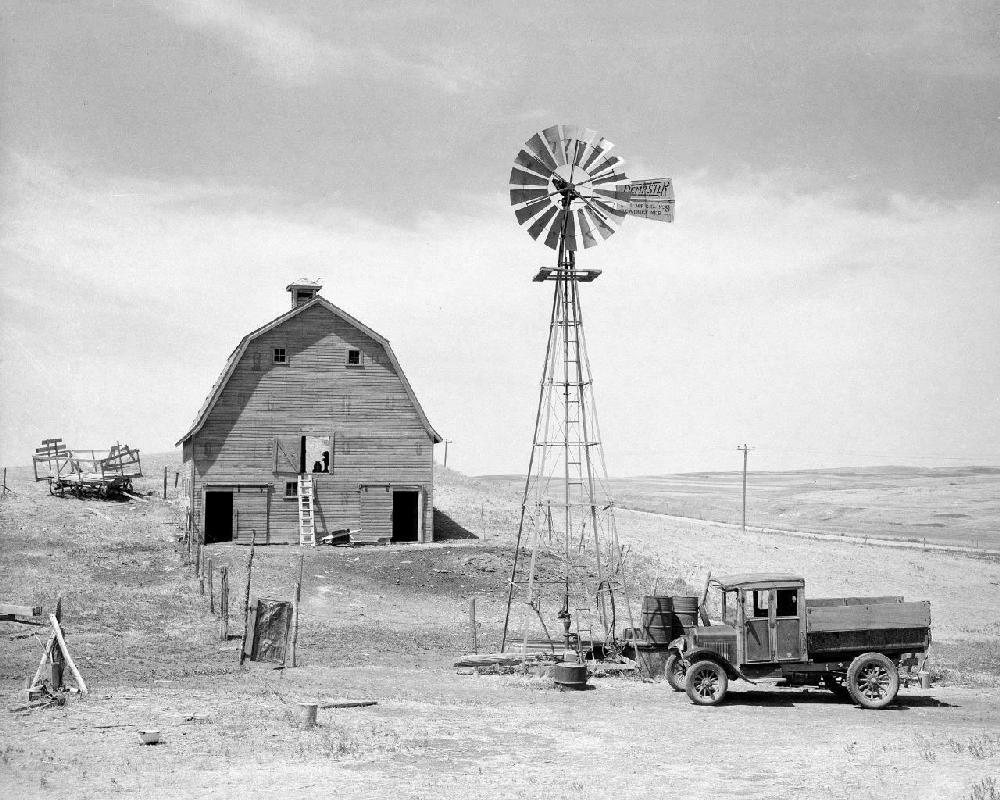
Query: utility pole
column 745, row 450
column 446, row 443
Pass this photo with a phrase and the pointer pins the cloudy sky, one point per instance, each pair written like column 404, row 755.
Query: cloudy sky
column 829, row 292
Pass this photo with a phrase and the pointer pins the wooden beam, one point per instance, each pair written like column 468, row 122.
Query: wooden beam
column 81, row 684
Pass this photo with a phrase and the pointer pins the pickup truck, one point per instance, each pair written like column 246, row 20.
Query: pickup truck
column 853, row 646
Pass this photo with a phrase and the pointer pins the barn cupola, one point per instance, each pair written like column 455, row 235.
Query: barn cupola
column 302, row 291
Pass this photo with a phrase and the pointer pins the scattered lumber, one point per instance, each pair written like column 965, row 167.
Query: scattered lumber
column 495, row 659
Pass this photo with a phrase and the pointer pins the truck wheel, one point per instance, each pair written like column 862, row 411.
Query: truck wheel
column 706, row 683
column 839, row 689
column 872, row 680
column 674, row 672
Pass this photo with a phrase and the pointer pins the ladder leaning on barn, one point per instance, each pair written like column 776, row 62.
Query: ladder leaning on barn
column 307, row 519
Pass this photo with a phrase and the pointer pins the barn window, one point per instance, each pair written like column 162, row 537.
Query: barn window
column 279, row 355
column 256, row 362
column 354, row 358
column 291, row 489
column 207, row 448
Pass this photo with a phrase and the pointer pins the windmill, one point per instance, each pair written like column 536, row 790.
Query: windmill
column 572, row 194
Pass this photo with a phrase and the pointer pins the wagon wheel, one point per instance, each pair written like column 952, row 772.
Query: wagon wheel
column 674, row 671
column 872, row 680
column 706, row 683
column 838, row 688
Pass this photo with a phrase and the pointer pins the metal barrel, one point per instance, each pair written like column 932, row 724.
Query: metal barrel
column 685, row 612
column 658, row 619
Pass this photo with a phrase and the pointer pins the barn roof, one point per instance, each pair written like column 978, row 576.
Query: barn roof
column 237, row 354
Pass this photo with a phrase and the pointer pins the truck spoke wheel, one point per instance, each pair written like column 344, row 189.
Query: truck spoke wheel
column 706, row 683
column 872, row 680
column 675, row 671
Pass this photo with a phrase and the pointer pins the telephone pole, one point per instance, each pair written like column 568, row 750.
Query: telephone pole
column 446, row 443
column 745, row 450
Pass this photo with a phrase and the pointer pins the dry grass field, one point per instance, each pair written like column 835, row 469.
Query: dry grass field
column 386, row 624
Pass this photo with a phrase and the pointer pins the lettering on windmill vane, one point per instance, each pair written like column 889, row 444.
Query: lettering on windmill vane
column 656, row 188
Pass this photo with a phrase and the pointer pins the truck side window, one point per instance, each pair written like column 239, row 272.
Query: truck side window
column 760, row 602
column 787, row 603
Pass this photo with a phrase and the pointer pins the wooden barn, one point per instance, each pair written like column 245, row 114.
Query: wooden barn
column 311, row 430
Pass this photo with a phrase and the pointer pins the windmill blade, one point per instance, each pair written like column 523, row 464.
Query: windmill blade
column 552, row 240
column 541, row 151
column 587, row 232
column 614, row 177
column 604, row 165
column 528, row 211
column 518, row 196
column 610, row 209
column 620, row 194
column 600, row 148
column 528, row 161
column 539, row 224
column 519, row 177
column 553, row 138
column 570, row 231
column 597, row 218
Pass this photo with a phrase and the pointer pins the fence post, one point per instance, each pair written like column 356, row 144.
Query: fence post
column 246, row 598
column 164, row 483
column 472, row 624
column 224, row 604
column 211, row 588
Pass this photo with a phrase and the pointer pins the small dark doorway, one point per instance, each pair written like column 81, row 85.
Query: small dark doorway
column 405, row 516
column 218, row 517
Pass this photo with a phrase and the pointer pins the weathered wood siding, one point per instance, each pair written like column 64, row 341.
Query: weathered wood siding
column 252, row 434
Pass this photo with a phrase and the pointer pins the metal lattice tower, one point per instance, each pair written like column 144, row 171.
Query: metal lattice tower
column 566, row 185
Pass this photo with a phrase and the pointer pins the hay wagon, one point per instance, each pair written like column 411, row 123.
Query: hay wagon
column 86, row 473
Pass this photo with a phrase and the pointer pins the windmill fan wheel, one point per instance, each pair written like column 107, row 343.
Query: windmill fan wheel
column 565, row 185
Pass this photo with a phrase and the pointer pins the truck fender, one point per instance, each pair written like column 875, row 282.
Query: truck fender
column 704, row 654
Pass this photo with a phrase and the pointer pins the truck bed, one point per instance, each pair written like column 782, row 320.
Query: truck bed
column 835, row 630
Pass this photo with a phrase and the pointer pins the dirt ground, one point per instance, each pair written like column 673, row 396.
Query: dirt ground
column 387, row 623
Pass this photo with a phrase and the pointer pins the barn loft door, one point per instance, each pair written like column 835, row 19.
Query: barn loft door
column 287, row 454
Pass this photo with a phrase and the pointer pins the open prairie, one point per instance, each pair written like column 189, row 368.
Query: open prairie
column 386, row 624
column 947, row 506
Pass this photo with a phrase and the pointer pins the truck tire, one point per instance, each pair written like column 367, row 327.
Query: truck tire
column 872, row 680
column 706, row 683
column 839, row 689
column 674, row 671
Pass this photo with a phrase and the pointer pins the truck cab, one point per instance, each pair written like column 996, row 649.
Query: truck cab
column 853, row 646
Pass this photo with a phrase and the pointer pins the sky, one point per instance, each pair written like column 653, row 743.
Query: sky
column 829, row 292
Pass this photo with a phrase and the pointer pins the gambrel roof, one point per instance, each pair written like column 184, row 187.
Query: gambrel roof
column 237, row 354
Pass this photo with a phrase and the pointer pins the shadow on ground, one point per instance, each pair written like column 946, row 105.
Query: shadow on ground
column 788, row 698
column 445, row 528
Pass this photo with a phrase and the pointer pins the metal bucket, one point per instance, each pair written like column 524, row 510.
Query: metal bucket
column 658, row 619
column 570, row 676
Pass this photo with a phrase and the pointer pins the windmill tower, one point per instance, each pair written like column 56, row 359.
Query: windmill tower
column 566, row 185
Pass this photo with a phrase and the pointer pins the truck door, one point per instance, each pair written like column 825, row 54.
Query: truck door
column 757, row 628
column 786, row 625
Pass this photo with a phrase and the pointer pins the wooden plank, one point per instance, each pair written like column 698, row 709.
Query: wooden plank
column 817, row 602
column 882, row 616
column 8, row 609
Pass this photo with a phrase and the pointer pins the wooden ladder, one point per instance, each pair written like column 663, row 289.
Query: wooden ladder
column 307, row 519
